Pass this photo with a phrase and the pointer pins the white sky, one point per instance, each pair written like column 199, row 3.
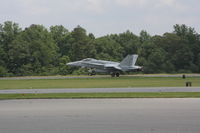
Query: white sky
column 102, row 17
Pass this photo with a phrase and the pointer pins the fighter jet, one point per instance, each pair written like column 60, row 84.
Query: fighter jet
column 113, row 68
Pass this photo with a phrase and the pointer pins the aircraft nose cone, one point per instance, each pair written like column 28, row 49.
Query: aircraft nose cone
column 69, row 64
column 76, row 63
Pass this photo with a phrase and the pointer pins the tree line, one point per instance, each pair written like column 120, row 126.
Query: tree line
column 37, row 50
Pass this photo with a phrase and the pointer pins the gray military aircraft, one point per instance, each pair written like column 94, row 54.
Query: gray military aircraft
column 113, row 68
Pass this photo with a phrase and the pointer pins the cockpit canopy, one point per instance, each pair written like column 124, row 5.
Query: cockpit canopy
column 88, row 59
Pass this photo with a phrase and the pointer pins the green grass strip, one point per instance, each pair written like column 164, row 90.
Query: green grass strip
column 102, row 95
column 99, row 82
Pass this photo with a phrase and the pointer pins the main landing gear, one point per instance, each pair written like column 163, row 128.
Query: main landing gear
column 115, row 74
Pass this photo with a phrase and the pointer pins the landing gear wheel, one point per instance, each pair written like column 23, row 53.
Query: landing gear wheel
column 117, row 74
column 112, row 74
column 91, row 72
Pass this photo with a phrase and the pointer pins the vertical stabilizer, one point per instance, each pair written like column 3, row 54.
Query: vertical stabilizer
column 129, row 60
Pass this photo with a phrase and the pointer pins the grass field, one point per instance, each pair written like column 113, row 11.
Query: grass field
column 102, row 95
column 98, row 82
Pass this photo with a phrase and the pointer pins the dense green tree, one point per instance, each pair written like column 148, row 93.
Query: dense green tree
column 61, row 37
column 36, row 50
column 155, row 61
column 81, row 44
column 198, row 62
column 128, row 41
column 144, row 36
column 63, row 68
column 108, row 49
column 2, row 56
column 3, row 71
column 8, row 32
column 178, row 51
column 33, row 51
column 192, row 39
column 186, row 33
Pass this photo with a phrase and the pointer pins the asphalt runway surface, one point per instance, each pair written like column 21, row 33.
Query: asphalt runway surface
column 102, row 90
column 161, row 115
column 97, row 76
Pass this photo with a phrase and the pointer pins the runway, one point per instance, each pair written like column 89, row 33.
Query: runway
column 102, row 90
column 96, row 76
column 161, row 115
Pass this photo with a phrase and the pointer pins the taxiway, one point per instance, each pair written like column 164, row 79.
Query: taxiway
column 101, row 90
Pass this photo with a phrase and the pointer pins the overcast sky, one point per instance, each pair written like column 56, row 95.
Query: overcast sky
column 102, row 17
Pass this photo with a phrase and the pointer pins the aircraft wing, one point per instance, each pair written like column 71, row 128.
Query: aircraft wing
column 103, row 66
column 113, row 67
column 94, row 65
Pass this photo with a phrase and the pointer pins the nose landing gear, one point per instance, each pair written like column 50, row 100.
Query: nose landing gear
column 91, row 72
